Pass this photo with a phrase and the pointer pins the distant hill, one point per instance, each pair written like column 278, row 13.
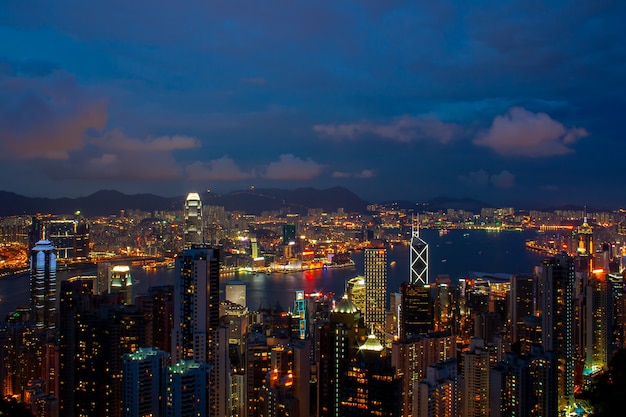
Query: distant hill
column 101, row 203
column 107, row 202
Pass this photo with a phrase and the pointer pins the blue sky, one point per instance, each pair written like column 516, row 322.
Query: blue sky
column 511, row 102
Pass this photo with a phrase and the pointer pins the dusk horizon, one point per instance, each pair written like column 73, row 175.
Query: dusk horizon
column 509, row 103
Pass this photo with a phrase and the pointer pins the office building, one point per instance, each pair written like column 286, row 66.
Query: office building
column 121, row 282
column 193, row 227
column 375, row 271
column 419, row 256
column 338, row 342
column 370, row 385
column 416, row 310
column 43, row 261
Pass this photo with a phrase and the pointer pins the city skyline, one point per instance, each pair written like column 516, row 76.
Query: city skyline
column 513, row 103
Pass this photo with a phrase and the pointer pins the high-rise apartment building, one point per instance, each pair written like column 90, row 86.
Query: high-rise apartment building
column 522, row 303
column 437, row 394
column 196, row 308
column 475, row 372
column 196, row 312
column 557, row 283
column 186, row 389
column 143, row 382
column 43, row 260
column 375, row 271
column 193, row 227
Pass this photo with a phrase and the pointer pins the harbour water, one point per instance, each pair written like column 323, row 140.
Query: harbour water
column 457, row 253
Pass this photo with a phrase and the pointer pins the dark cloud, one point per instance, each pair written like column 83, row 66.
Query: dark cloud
column 46, row 117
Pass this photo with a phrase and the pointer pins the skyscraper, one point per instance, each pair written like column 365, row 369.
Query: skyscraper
column 476, row 379
column 375, row 272
column 196, row 308
column 419, row 256
column 43, row 281
column 193, row 226
column 121, row 282
column 196, row 313
column 144, row 382
column 416, row 312
column 557, row 283
column 522, row 301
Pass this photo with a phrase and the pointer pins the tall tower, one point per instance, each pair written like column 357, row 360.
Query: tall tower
column 196, row 314
column 419, row 256
column 121, row 282
column 43, row 281
column 193, row 226
column 375, row 272
column 196, row 304
column 522, row 301
column 557, row 282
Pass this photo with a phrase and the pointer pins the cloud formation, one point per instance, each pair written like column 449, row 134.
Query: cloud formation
column 366, row 173
column 403, row 129
column 290, row 167
column 222, row 169
column 503, row 180
column 524, row 133
column 478, row 178
column 117, row 140
column 46, row 116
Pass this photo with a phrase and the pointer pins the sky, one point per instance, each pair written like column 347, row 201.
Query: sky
column 509, row 102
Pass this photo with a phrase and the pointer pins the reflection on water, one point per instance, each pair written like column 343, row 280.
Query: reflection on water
column 456, row 254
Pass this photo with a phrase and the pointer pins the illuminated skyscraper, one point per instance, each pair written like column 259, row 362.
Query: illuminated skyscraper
column 416, row 312
column 476, row 380
column 196, row 308
column 437, row 393
column 522, row 302
column 43, row 281
column 355, row 288
column 339, row 340
column 370, row 386
column 419, row 256
column 120, row 282
column 196, row 312
column 376, row 290
column 193, row 226
column 557, row 283
column 600, row 315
